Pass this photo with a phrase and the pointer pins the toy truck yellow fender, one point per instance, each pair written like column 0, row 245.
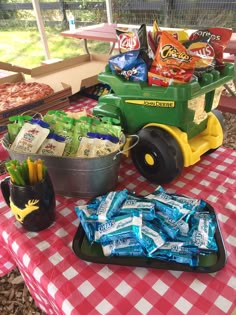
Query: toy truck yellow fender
column 210, row 138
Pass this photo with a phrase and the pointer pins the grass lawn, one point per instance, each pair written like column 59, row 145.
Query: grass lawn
column 24, row 47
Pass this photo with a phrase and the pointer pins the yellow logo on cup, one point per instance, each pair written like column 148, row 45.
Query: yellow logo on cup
column 20, row 214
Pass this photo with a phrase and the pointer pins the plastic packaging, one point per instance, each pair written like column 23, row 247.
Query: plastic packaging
column 31, row 136
column 71, row 22
column 53, row 145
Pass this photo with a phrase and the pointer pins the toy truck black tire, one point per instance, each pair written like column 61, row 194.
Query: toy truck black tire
column 157, row 155
column 220, row 118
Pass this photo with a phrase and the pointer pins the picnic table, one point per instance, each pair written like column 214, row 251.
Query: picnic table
column 104, row 32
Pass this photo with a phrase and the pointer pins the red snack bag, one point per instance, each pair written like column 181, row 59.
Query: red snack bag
column 219, row 39
column 202, row 48
column 135, row 39
column 128, row 39
column 172, row 63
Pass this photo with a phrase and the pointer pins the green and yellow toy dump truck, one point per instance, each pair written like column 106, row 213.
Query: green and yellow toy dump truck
column 175, row 125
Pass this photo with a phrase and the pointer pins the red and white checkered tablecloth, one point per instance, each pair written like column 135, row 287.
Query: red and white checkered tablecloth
column 61, row 283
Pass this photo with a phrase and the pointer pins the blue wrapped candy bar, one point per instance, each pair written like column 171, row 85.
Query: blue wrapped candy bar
column 110, row 205
column 151, row 239
column 161, row 226
column 125, row 226
column 166, row 204
column 203, row 231
column 147, row 208
column 123, row 247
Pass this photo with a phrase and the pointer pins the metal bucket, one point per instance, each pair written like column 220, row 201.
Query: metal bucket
column 78, row 177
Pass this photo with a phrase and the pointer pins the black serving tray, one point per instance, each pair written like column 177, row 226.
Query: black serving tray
column 93, row 253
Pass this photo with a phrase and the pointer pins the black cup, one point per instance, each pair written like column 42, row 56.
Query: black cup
column 33, row 205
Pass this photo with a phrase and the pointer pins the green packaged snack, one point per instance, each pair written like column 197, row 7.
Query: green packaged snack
column 84, row 125
column 75, row 139
column 16, row 123
column 110, row 126
column 65, row 128
column 53, row 117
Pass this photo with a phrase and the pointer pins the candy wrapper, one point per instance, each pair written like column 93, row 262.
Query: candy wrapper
column 126, row 226
column 123, row 247
column 182, row 232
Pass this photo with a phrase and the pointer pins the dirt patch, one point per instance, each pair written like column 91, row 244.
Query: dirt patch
column 15, row 298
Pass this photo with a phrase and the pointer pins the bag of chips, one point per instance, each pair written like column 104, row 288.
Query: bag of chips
column 172, row 63
column 153, row 37
column 203, row 49
column 135, row 39
column 130, row 66
column 218, row 38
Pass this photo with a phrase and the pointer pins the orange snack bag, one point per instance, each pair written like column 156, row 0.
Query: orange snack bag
column 172, row 63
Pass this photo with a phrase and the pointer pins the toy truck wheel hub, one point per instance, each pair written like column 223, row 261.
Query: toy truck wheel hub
column 149, row 159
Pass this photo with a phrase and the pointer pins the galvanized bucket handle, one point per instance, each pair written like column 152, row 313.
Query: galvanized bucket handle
column 129, row 148
column 33, row 113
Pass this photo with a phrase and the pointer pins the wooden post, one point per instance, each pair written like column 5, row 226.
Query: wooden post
column 41, row 28
column 109, row 11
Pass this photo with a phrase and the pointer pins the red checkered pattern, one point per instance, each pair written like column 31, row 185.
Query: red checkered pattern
column 7, row 263
column 61, row 283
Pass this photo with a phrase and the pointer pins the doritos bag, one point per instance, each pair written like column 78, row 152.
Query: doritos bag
column 219, row 39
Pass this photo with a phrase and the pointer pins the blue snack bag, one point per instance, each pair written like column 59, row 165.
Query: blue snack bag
column 152, row 237
column 146, row 207
column 111, row 203
column 123, row 247
column 125, row 226
column 130, row 66
column 88, row 225
column 202, row 232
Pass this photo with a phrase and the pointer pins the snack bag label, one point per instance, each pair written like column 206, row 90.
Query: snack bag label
column 205, row 51
column 169, row 52
column 173, row 53
column 128, row 41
